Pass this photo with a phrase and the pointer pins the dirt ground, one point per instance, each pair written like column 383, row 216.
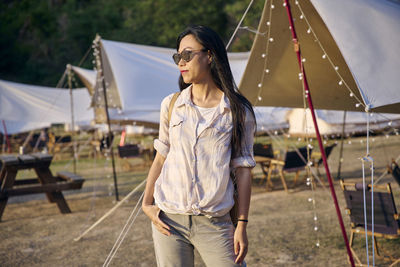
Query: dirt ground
column 281, row 230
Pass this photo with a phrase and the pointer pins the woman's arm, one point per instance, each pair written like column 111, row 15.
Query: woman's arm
column 243, row 180
column 151, row 210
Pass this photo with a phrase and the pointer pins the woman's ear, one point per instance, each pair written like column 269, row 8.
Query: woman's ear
column 210, row 58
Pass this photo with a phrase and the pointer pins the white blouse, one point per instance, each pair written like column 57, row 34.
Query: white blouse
column 195, row 176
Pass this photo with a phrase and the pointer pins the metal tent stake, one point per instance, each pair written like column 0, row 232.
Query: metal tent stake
column 321, row 147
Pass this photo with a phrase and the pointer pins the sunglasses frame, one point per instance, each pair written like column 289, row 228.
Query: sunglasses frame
column 190, row 54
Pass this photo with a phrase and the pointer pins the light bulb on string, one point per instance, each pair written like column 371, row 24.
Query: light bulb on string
column 324, row 56
column 358, row 105
column 259, row 98
column 340, row 82
column 315, row 218
column 271, row 39
column 272, row 6
column 309, row 199
column 390, row 123
column 351, row 94
column 284, row 4
column 263, row 55
column 259, row 85
column 309, row 31
column 336, row 68
column 268, row 23
column 315, row 228
column 303, row 60
column 301, row 16
column 266, row 70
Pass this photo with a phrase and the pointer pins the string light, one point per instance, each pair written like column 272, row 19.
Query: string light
column 263, row 55
column 271, row 39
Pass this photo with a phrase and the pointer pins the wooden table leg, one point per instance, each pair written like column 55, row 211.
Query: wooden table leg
column 7, row 182
column 46, row 177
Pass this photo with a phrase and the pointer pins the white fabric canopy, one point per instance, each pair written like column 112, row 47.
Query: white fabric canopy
column 27, row 107
column 138, row 78
column 359, row 56
column 367, row 33
column 331, row 122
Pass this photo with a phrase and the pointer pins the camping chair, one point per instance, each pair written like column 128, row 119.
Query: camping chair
column 295, row 161
column 317, row 157
column 263, row 154
column 395, row 171
column 386, row 218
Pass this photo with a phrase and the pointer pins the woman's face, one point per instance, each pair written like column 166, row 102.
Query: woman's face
column 197, row 69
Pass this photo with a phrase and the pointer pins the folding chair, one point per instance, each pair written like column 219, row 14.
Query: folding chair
column 395, row 171
column 294, row 162
column 263, row 154
column 317, row 157
column 386, row 218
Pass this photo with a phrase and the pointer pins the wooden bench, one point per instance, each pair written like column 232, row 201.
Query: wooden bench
column 45, row 182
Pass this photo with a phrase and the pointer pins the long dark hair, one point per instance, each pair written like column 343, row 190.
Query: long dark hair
column 223, row 79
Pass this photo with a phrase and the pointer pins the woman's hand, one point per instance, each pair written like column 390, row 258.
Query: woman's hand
column 240, row 242
column 153, row 212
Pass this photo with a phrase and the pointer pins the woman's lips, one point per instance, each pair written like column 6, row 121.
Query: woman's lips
column 184, row 71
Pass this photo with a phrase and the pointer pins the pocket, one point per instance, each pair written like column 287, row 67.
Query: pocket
column 175, row 130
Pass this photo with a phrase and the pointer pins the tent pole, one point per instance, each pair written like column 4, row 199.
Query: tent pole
column 110, row 136
column 72, row 114
column 341, row 145
column 321, row 147
column 6, row 137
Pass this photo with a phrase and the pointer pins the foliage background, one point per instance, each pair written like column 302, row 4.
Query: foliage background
column 38, row 38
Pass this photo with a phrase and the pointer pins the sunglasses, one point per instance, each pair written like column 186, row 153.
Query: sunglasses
column 186, row 55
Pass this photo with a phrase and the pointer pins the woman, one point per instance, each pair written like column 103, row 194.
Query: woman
column 189, row 192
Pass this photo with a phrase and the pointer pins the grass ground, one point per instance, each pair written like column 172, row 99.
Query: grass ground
column 281, row 228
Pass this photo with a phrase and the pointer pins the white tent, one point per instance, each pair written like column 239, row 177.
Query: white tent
column 349, row 49
column 330, row 122
column 139, row 77
column 27, row 107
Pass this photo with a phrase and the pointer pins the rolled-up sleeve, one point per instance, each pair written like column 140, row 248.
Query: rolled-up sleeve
column 246, row 157
column 161, row 144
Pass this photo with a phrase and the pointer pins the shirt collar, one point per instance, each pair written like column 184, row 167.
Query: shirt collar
column 185, row 99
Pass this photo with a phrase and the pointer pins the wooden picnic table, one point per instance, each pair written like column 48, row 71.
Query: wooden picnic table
column 45, row 182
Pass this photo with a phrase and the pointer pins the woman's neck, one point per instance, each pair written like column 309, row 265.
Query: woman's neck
column 206, row 94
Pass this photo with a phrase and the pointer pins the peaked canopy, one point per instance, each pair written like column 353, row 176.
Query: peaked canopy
column 26, row 107
column 138, row 78
column 360, row 37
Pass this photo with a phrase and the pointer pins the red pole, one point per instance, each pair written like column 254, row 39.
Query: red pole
column 321, row 147
column 6, row 135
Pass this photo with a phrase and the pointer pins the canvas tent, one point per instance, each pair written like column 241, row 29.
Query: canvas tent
column 360, row 38
column 330, row 122
column 140, row 76
column 27, row 107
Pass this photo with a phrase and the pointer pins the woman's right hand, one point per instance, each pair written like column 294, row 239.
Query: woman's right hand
column 153, row 212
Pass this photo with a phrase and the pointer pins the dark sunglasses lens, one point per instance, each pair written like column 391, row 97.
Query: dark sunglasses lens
column 186, row 55
column 176, row 58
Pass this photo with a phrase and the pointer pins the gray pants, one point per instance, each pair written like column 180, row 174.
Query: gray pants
column 212, row 237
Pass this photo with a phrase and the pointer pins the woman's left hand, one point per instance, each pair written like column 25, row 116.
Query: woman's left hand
column 240, row 242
